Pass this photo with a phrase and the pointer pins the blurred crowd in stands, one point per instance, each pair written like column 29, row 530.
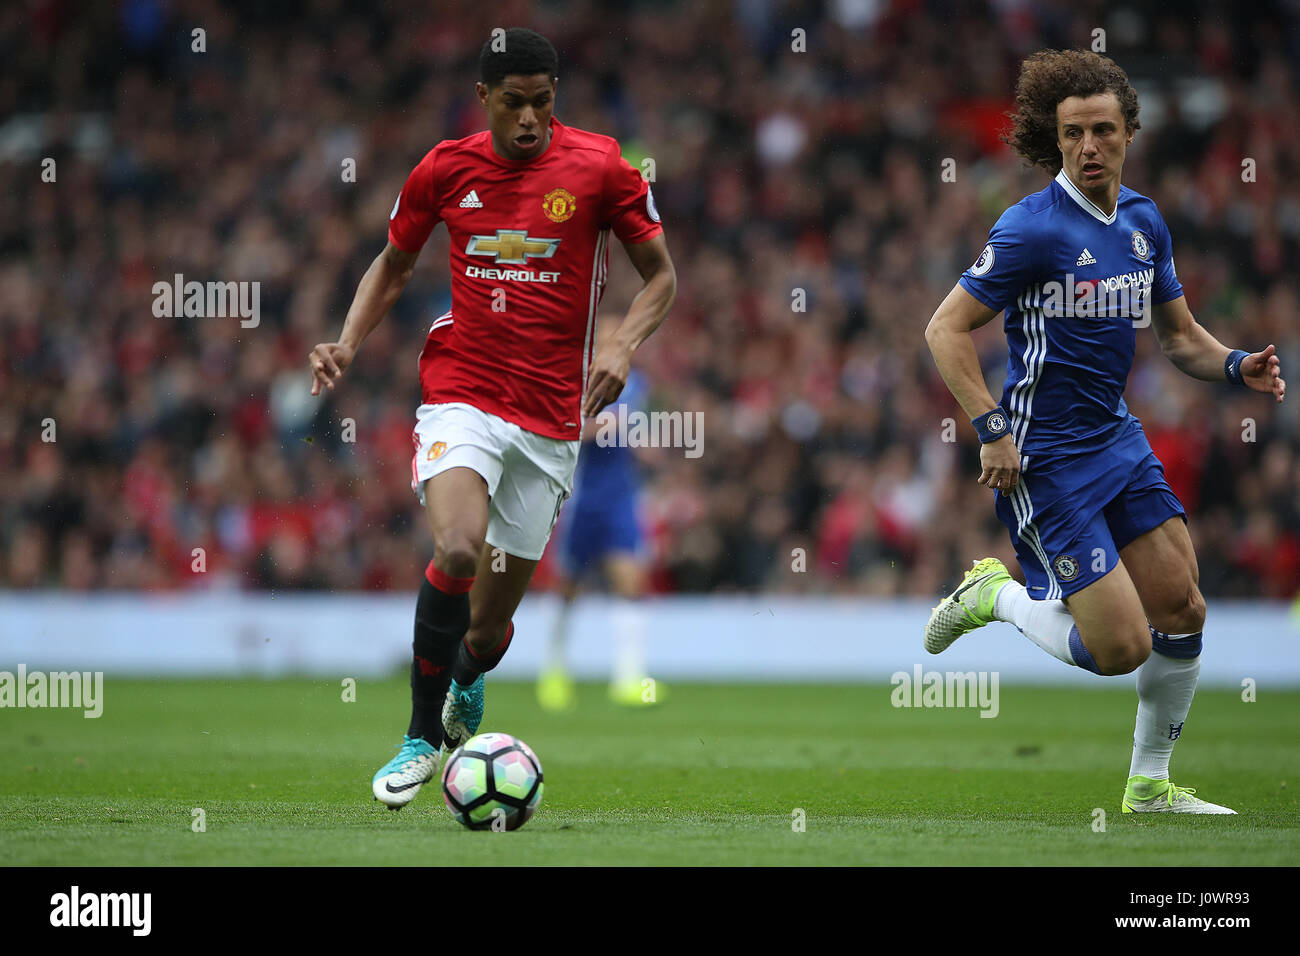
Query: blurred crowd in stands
column 799, row 154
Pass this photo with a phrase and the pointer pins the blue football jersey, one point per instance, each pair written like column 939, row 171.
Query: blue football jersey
column 1076, row 285
column 605, row 473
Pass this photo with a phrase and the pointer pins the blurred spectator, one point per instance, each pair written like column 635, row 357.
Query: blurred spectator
column 783, row 176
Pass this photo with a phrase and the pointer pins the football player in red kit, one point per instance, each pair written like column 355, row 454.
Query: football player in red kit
column 508, row 374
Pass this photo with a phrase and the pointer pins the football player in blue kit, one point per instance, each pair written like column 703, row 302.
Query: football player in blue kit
column 1078, row 268
column 599, row 536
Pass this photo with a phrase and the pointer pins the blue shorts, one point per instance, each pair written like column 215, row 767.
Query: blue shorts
column 590, row 533
column 1069, row 518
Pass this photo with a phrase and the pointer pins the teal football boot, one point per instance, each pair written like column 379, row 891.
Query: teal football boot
column 399, row 780
column 461, row 714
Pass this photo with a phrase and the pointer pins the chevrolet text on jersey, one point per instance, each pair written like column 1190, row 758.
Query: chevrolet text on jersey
column 529, row 258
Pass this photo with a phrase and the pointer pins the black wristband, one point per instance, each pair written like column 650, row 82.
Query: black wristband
column 1232, row 367
column 992, row 425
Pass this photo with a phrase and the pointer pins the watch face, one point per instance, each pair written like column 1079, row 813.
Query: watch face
column 995, row 424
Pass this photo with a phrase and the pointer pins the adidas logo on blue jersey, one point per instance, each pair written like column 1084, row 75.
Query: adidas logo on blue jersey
column 1086, row 258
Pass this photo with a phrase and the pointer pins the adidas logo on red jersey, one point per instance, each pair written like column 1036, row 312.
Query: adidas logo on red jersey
column 471, row 201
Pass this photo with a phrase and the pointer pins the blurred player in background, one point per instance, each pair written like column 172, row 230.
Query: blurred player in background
column 600, row 536
column 1103, row 541
column 508, row 374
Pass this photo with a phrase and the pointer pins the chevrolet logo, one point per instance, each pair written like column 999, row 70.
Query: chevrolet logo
column 511, row 247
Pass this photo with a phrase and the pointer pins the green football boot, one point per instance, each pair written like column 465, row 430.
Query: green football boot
column 642, row 692
column 968, row 607
column 555, row 690
column 1144, row 795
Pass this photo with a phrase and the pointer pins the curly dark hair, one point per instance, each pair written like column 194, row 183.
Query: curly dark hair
column 1050, row 76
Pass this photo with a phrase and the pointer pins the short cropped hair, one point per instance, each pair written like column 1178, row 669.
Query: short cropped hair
column 518, row 52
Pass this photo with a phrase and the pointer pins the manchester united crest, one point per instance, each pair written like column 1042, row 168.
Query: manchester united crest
column 559, row 205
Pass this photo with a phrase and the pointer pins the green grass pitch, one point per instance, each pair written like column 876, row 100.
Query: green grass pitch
column 714, row 775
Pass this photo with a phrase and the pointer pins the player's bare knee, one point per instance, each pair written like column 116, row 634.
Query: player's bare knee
column 456, row 553
column 1193, row 613
column 1124, row 661
column 1123, row 656
column 1186, row 616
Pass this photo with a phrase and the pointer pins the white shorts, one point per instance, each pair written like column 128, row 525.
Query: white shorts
column 528, row 475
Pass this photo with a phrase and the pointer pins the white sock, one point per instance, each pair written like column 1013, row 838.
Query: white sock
column 555, row 648
column 1047, row 623
column 628, row 620
column 1165, row 687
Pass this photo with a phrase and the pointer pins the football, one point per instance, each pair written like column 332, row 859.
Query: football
column 493, row 782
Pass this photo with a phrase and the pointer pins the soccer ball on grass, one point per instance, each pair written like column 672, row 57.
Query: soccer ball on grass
column 493, row 782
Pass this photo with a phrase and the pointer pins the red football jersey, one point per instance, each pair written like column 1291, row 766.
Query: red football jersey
column 529, row 257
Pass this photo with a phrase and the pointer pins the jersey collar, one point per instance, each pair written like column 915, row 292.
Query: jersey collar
column 557, row 131
column 1084, row 203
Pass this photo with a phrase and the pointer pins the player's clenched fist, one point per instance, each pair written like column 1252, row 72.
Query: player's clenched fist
column 1000, row 464
column 609, row 372
column 328, row 360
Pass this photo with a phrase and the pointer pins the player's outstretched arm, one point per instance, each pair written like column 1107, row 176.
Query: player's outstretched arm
column 949, row 338
column 1195, row 352
column 378, row 290
column 613, row 361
